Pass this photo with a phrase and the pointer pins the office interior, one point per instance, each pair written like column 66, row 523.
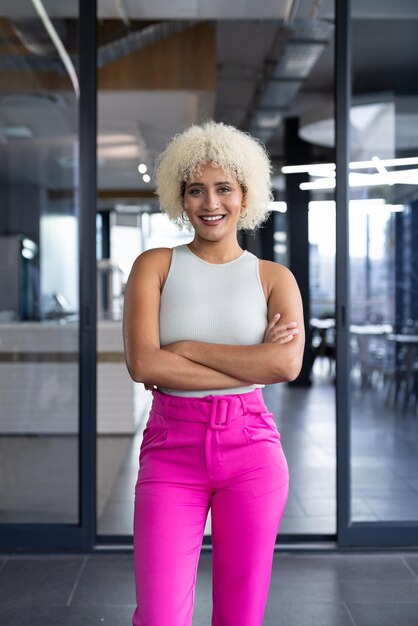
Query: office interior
column 269, row 68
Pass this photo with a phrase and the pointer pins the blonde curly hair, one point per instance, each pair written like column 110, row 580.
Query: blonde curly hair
column 234, row 151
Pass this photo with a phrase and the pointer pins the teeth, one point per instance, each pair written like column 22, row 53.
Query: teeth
column 212, row 219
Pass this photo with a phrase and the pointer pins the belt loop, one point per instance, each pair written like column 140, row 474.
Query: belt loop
column 243, row 402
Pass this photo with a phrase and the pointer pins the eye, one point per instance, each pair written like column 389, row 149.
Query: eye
column 224, row 189
column 194, row 191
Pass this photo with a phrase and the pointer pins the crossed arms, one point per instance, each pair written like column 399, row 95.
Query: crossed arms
column 199, row 365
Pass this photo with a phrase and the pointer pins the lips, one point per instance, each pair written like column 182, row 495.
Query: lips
column 211, row 220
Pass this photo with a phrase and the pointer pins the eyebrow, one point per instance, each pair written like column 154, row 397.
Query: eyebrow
column 221, row 182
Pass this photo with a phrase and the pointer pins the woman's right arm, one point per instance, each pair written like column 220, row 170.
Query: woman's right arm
column 146, row 361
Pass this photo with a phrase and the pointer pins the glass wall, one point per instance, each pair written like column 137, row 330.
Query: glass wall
column 147, row 73
column 39, row 307
column 383, row 237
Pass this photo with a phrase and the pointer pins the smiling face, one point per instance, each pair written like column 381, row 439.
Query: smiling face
column 213, row 201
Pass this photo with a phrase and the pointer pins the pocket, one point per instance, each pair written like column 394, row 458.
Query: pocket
column 261, row 426
column 155, row 433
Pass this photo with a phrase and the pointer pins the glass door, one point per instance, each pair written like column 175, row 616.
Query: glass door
column 40, row 452
column 382, row 375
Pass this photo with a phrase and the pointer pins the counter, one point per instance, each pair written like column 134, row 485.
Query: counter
column 39, row 370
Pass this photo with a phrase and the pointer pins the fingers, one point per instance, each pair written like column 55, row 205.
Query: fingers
column 276, row 319
column 282, row 338
column 280, row 334
column 273, row 322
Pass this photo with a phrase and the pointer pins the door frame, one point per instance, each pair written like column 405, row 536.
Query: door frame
column 42, row 537
column 349, row 533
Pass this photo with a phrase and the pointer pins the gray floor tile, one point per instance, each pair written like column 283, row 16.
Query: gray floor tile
column 100, row 585
column 412, row 560
column 38, row 581
column 111, row 564
column 336, row 567
column 345, row 591
column 286, row 613
column 68, row 616
column 385, row 614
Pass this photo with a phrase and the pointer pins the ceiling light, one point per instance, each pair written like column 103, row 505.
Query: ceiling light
column 358, row 165
column 119, row 152
column 146, row 178
column 313, row 167
column 267, row 119
column 142, row 168
column 16, row 132
column 115, row 138
column 281, row 207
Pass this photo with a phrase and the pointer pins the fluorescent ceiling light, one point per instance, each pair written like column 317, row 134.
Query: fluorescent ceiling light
column 280, row 248
column 16, row 132
column 280, row 236
column 299, row 169
column 63, row 54
column 325, row 183
column 326, row 173
column 114, row 138
column 359, row 165
column 128, row 151
column 370, row 205
column 354, row 165
column 403, row 177
column 267, row 119
column 281, row 207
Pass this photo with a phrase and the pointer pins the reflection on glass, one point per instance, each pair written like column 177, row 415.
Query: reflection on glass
column 38, row 266
column 384, row 281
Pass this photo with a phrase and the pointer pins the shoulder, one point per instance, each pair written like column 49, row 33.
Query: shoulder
column 273, row 269
column 154, row 260
column 153, row 256
column 274, row 276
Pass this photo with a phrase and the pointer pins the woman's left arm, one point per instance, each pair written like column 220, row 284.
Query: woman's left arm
column 273, row 361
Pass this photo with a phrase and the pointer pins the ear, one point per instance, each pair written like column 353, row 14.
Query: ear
column 244, row 199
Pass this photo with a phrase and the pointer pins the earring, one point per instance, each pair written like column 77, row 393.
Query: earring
column 184, row 218
column 242, row 216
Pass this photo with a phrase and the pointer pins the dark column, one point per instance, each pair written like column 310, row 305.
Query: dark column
column 105, row 254
column 413, row 268
column 87, row 269
column 399, row 273
column 297, row 153
column 266, row 235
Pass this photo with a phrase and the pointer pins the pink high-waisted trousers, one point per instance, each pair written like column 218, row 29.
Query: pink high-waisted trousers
column 219, row 452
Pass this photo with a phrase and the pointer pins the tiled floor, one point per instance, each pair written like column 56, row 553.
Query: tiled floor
column 307, row 589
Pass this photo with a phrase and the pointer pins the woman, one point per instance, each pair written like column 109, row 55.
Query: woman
column 208, row 325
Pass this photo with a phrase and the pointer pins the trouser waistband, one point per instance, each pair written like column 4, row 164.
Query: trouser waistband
column 217, row 411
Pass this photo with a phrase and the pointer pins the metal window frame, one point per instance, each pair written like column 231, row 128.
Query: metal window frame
column 81, row 536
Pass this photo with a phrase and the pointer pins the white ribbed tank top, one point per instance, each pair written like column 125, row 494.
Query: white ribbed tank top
column 212, row 302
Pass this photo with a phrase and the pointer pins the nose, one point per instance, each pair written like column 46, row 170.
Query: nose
column 212, row 202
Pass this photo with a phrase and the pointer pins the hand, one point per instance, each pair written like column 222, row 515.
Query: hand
column 279, row 334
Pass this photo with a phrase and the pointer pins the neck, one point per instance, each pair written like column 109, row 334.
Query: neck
column 216, row 251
